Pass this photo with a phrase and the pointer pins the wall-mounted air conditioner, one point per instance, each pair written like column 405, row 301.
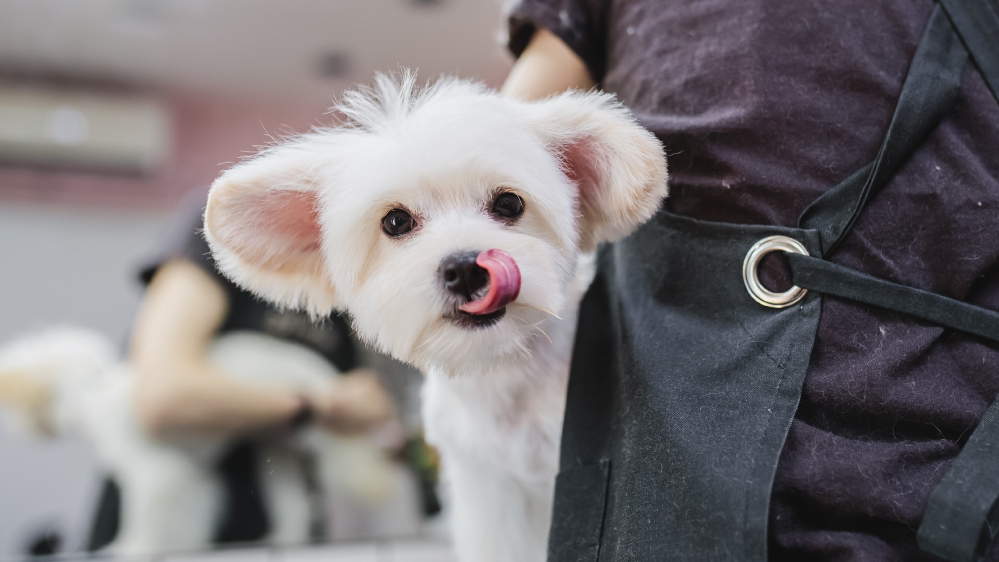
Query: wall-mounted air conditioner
column 110, row 132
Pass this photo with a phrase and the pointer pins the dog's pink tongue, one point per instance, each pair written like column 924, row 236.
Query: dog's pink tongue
column 504, row 282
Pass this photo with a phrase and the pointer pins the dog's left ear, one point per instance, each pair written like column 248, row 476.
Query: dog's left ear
column 262, row 224
column 617, row 166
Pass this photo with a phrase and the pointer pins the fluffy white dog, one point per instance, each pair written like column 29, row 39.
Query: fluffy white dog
column 69, row 381
column 450, row 224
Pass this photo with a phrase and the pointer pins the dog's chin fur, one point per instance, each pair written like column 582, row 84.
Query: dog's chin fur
column 300, row 224
column 454, row 350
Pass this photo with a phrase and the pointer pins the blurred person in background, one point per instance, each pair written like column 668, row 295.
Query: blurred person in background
column 186, row 305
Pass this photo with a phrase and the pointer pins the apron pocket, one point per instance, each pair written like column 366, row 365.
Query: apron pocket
column 580, row 498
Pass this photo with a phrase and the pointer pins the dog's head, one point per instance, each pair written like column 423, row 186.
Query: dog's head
column 42, row 374
column 446, row 222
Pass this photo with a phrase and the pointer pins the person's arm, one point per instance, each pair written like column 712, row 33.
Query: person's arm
column 546, row 67
column 176, row 389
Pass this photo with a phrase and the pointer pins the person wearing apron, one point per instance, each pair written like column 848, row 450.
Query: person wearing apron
column 844, row 415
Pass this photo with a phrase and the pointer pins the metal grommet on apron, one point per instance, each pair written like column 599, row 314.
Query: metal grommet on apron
column 683, row 387
column 751, row 278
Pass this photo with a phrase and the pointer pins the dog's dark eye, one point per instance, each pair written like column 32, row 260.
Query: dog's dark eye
column 397, row 222
column 508, row 205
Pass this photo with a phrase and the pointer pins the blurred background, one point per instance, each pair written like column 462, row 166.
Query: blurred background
column 112, row 110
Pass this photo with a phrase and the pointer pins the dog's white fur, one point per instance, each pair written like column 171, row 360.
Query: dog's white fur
column 300, row 224
column 171, row 493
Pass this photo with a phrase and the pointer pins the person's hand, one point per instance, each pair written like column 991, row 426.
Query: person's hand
column 355, row 403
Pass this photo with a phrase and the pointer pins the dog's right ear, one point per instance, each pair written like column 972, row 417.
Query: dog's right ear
column 262, row 224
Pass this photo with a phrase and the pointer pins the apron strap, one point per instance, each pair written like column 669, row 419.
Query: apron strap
column 832, row 279
column 977, row 24
column 929, row 91
column 962, row 514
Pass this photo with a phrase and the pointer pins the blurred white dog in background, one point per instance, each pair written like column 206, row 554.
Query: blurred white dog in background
column 451, row 224
column 69, row 381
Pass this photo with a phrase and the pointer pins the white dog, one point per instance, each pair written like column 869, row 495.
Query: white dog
column 450, row 224
column 69, row 381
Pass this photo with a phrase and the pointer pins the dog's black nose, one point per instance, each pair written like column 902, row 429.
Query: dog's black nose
column 462, row 276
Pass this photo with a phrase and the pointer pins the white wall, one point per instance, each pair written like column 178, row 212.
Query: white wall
column 63, row 265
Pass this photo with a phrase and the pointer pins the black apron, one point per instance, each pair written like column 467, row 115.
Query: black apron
column 687, row 372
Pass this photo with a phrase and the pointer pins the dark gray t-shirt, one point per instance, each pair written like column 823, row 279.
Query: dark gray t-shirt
column 762, row 105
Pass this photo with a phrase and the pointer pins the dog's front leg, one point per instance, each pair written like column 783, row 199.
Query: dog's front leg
column 169, row 501
column 285, row 495
column 496, row 517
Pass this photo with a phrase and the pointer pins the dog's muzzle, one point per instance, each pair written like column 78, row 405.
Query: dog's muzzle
column 483, row 281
